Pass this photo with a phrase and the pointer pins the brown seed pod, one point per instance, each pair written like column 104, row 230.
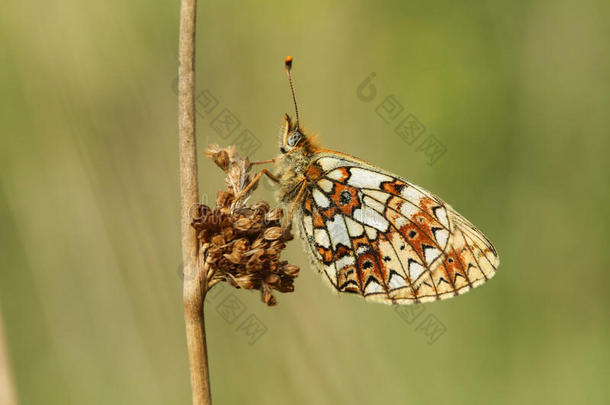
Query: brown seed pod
column 274, row 215
column 273, row 233
column 243, row 224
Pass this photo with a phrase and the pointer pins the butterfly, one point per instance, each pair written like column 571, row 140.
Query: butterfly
column 371, row 232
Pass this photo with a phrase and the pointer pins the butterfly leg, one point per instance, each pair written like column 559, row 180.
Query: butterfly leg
column 254, row 181
column 260, row 162
column 288, row 218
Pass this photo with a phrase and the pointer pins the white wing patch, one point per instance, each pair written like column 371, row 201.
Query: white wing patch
column 326, row 185
column 354, row 228
column 331, row 271
column 328, row 163
column 320, row 198
column 370, row 233
column 415, row 269
column 396, row 281
column 441, row 236
column 362, row 178
column 338, row 231
column 412, row 194
column 374, row 204
column 430, row 254
column 409, row 210
column 335, row 175
column 373, row 288
column 321, row 237
column 346, row 261
column 380, row 196
column 370, row 217
column 441, row 214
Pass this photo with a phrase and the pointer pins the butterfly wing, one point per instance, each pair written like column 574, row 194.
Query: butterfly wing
column 375, row 234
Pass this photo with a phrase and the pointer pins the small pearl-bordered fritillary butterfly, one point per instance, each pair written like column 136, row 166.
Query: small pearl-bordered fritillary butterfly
column 371, row 232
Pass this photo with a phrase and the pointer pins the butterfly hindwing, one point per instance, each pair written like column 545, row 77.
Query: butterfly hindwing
column 375, row 234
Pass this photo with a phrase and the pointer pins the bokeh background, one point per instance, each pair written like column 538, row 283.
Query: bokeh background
column 90, row 289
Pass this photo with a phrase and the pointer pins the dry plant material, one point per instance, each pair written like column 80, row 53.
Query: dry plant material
column 241, row 244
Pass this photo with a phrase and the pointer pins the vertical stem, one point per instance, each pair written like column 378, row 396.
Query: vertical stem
column 7, row 392
column 195, row 283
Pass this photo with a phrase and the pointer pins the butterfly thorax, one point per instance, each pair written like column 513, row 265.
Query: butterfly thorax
column 292, row 169
column 294, row 165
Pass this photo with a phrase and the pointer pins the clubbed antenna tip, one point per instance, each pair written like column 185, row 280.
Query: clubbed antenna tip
column 288, row 65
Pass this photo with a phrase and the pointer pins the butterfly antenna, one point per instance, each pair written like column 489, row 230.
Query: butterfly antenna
column 288, row 66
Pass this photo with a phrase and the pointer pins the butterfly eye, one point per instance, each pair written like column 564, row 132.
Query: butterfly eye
column 294, row 138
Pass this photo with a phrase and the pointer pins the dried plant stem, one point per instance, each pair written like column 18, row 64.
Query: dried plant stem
column 7, row 392
column 195, row 283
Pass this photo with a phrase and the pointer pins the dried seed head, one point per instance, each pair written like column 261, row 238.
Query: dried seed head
column 240, row 244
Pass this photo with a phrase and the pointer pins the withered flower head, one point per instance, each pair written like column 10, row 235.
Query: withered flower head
column 241, row 244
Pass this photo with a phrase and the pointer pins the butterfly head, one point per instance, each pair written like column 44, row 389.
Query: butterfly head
column 292, row 137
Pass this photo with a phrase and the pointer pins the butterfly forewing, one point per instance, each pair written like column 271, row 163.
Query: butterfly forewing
column 375, row 234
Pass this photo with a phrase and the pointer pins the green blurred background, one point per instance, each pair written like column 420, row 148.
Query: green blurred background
column 90, row 287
